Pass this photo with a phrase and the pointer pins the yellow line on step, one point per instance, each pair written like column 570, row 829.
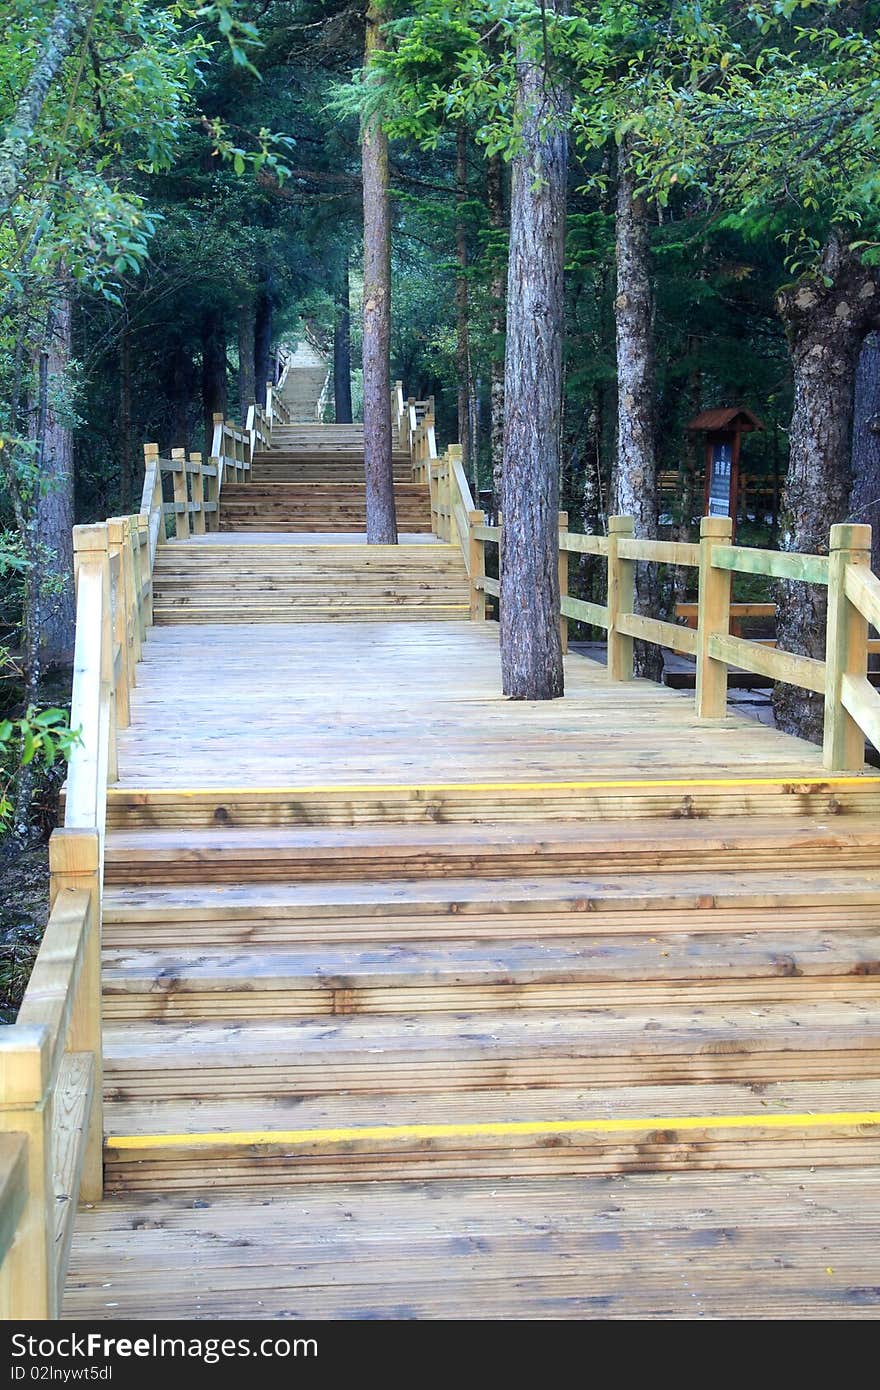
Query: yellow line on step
column 378, row 788
column 500, row 1129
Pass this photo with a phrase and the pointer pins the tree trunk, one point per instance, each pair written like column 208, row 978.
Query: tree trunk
column 263, row 368
column 462, row 329
column 378, row 465
column 126, row 442
column 181, row 389
column 53, row 512
column 864, row 504
column 827, row 315
column 19, row 136
column 247, row 377
column 531, row 654
column 498, row 292
column 342, row 349
column 636, row 484
column 214, row 385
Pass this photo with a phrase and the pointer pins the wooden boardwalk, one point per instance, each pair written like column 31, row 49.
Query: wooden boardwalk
column 418, row 1002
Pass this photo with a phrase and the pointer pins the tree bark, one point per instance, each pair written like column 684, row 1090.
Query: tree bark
column 378, row 466
column 53, row 512
column 247, row 376
column 498, row 292
column 865, row 498
column 126, row 470
column 342, row 349
column 18, row 138
column 214, row 384
column 181, row 390
column 636, row 481
column 263, row 368
column 462, row 328
column 827, row 315
column 531, row 654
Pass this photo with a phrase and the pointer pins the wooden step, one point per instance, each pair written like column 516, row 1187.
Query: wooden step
column 164, row 614
column 145, row 804
column 311, row 853
column 471, row 908
column 356, row 1137
column 754, row 1043
column 589, row 971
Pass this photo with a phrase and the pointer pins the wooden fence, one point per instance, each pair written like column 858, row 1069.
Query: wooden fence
column 852, row 705
column 51, row 1120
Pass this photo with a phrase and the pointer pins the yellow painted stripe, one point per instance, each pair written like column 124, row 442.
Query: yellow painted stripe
column 501, row 1128
column 864, row 779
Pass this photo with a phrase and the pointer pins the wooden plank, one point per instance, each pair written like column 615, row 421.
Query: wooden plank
column 678, row 639
column 72, row 1104
column 13, row 1190
column 50, row 995
column 584, row 545
column 804, row 671
column 488, row 533
column 862, row 588
column 594, row 613
column 775, row 564
column 660, row 552
column 862, row 702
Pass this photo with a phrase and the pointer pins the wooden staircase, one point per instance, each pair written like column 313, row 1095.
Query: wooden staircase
column 312, row 480
column 325, row 1001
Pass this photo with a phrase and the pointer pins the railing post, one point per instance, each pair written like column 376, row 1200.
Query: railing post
column 181, row 496
column 453, row 452
column 152, row 500
column 713, row 616
column 563, row 581
column 846, row 649
column 621, row 592
column 27, row 1109
column 198, row 495
column 476, row 567
column 91, row 547
column 75, row 862
column 145, row 575
column 120, row 594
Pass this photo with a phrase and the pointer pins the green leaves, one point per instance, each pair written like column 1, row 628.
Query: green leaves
column 39, row 736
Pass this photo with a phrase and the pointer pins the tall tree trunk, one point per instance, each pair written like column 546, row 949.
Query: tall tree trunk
column 636, row 479
column 53, row 512
column 342, row 349
column 247, row 376
column 181, row 390
column 498, row 292
column 265, row 315
column 378, row 466
column 531, row 654
column 126, row 442
column 462, row 329
column 827, row 315
column 214, row 384
column 864, row 504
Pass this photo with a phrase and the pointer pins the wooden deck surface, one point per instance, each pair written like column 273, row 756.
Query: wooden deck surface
column 784, row 1244
column 277, row 705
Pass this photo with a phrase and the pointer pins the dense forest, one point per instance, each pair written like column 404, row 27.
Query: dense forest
column 575, row 225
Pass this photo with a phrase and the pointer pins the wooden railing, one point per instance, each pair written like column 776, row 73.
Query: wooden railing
column 51, row 1065
column 852, row 705
column 51, row 1057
